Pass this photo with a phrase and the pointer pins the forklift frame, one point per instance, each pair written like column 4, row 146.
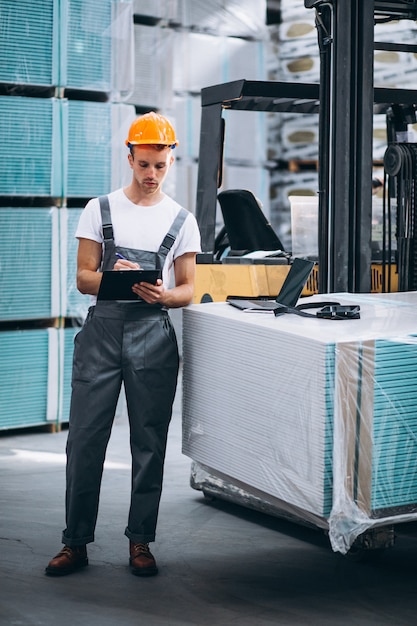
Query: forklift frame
column 344, row 100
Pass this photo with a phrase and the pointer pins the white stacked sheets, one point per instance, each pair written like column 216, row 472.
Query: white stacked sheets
column 318, row 414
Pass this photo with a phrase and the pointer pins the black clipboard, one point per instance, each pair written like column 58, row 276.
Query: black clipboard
column 117, row 285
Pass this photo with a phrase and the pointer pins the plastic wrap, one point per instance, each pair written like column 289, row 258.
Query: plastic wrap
column 235, row 18
column 24, row 377
column 35, row 376
column 76, row 44
column 74, row 75
column 153, row 82
column 283, row 185
column 30, row 59
column 314, row 416
column 238, row 18
column 30, row 257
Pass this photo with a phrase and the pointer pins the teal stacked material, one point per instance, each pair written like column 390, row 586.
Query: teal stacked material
column 29, row 277
column 57, row 43
column 30, row 147
column 264, row 417
column 28, row 53
column 89, row 148
column 24, row 378
column 394, row 454
column 86, row 44
column 328, row 430
column 51, row 149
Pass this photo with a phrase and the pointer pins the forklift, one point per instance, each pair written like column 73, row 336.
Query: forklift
column 345, row 101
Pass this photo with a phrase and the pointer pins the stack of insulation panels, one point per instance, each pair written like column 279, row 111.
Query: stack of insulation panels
column 38, row 277
column 24, row 379
column 89, row 127
column 58, row 43
column 313, row 416
column 29, row 48
column 29, row 277
column 65, row 66
column 34, row 122
column 86, row 44
column 66, row 139
column 35, row 375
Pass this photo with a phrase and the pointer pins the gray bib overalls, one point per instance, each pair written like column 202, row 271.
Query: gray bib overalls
column 127, row 342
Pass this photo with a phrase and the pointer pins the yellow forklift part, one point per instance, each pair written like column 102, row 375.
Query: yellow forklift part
column 217, row 281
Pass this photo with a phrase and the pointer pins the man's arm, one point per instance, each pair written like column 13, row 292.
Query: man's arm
column 88, row 262
column 183, row 292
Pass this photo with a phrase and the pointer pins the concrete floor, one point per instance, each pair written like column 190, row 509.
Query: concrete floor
column 219, row 563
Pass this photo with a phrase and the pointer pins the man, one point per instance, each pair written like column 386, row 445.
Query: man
column 130, row 342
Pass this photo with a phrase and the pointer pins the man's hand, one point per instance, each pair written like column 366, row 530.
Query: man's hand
column 152, row 294
column 124, row 264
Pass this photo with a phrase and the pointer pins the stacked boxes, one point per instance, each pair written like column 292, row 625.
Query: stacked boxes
column 70, row 89
column 32, row 59
column 34, row 122
column 86, row 44
column 60, row 112
column 36, row 372
column 66, row 43
column 89, row 135
column 66, row 138
column 25, row 377
column 29, row 277
column 394, row 68
column 298, row 50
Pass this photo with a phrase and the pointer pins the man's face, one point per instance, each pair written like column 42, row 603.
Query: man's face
column 150, row 166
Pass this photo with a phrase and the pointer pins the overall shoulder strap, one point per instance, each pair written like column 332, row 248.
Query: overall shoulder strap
column 106, row 218
column 171, row 235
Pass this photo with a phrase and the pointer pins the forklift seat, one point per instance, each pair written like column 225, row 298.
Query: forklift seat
column 245, row 223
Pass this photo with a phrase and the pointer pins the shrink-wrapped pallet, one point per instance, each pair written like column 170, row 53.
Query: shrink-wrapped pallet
column 315, row 416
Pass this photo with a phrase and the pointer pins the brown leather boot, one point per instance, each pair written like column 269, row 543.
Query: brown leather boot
column 67, row 561
column 142, row 562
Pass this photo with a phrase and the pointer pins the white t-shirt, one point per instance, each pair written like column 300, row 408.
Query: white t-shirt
column 141, row 227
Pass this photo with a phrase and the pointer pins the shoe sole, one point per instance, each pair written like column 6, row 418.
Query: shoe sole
column 64, row 571
column 148, row 571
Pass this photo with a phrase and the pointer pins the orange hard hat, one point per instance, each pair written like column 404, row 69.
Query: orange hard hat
column 151, row 128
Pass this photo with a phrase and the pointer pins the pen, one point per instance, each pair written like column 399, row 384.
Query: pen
column 121, row 256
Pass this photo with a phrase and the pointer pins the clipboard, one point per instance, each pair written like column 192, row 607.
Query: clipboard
column 117, row 285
